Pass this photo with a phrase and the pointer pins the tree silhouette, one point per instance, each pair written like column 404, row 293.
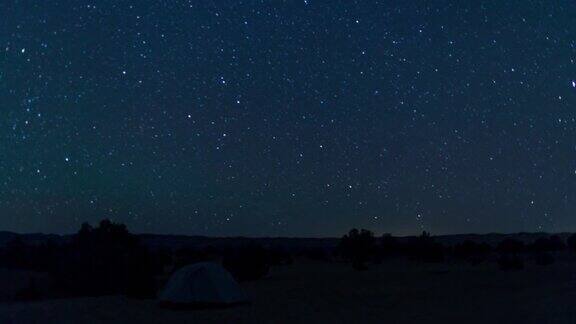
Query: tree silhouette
column 108, row 259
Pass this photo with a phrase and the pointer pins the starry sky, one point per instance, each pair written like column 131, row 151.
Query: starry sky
column 288, row 118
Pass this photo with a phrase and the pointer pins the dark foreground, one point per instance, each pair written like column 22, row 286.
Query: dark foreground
column 396, row 291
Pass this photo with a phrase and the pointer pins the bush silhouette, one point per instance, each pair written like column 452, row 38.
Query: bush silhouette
column 16, row 255
column 470, row 248
column 29, row 293
column 358, row 246
column 426, row 249
column 548, row 244
column 510, row 245
column 471, row 251
column 108, row 260
column 571, row 242
column 248, row 263
column 316, row 254
column 544, row 259
column 19, row 255
column 388, row 244
column 510, row 262
column 280, row 256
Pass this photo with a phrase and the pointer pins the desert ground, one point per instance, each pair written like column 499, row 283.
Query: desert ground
column 396, row 291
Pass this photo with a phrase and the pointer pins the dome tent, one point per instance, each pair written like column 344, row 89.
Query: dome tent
column 203, row 284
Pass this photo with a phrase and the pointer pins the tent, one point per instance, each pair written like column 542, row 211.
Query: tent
column 203, row 284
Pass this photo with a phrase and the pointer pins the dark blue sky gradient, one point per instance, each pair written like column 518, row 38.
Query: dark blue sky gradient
column 296, row 118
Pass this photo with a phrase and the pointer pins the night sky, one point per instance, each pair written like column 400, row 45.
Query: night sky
column 291, row 118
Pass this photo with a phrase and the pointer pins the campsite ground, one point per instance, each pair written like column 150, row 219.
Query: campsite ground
column 397, row 291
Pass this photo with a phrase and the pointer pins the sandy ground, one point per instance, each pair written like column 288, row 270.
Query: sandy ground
column 394, row 292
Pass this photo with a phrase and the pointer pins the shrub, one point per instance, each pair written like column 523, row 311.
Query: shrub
column 28, row 293
column 280, row 256
column 544, row 259
column 471, row 251
column 571, row 242
column 316, row 254
column 14, row 255
column 358, row 246
column 510, row 245
column 388, row 244
column 247, row 263
column 425, row 249
column 471, row 248
column 547, row 244
column 509, row 262
column 107, row 260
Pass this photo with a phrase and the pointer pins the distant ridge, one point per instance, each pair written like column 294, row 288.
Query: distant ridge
column 164, row 241
column 32, row 238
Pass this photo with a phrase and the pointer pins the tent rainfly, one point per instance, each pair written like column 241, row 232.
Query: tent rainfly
column 203, row 284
